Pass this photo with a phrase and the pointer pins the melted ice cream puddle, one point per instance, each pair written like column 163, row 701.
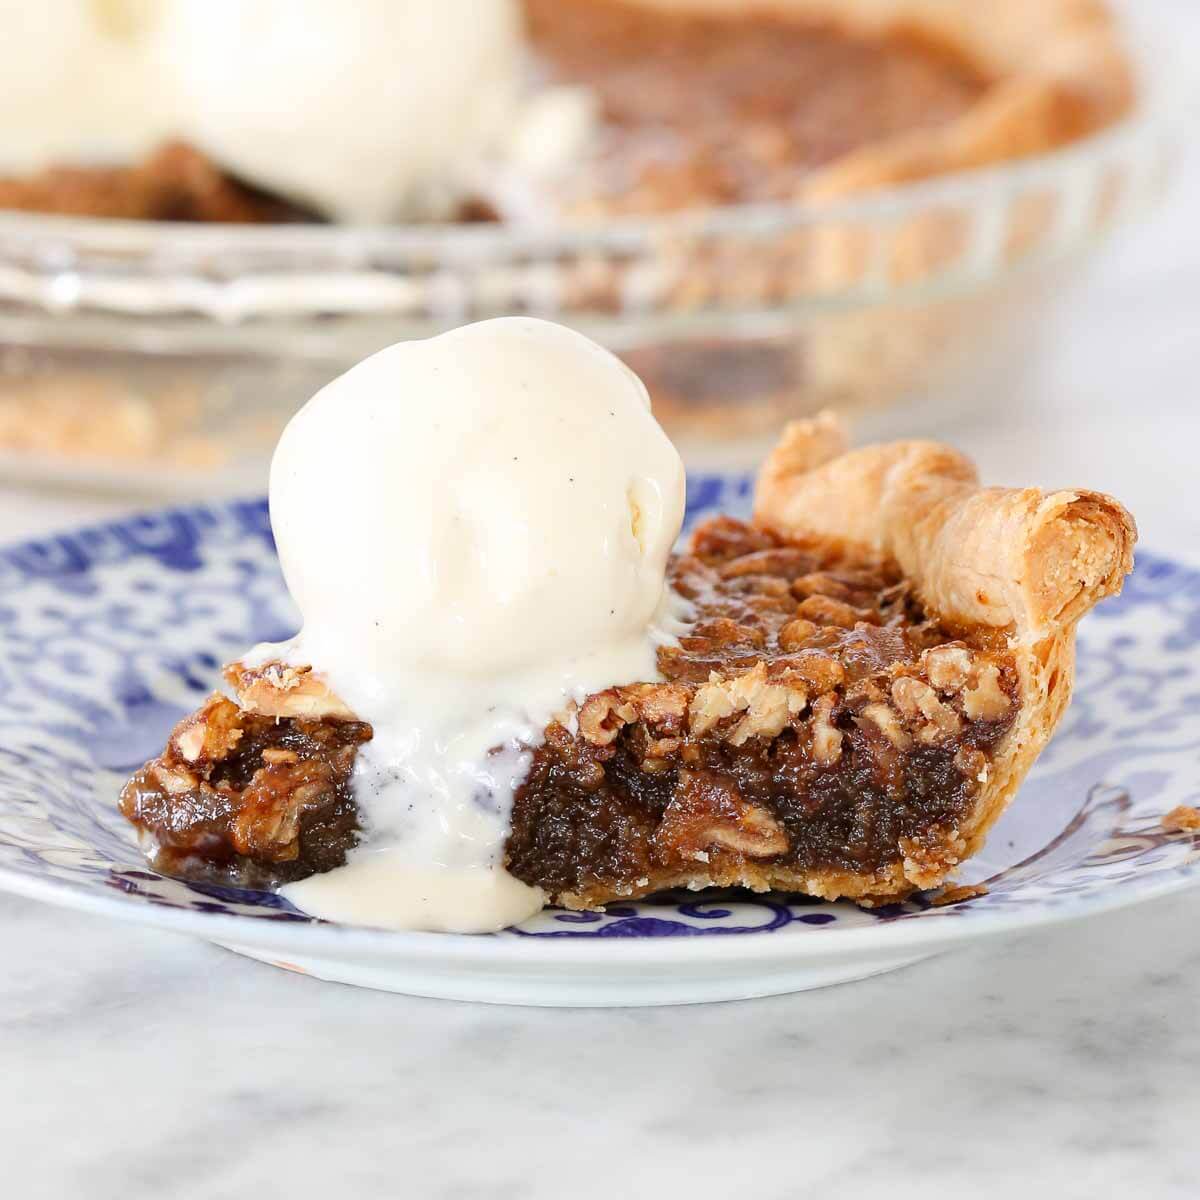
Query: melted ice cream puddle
column 475, row 529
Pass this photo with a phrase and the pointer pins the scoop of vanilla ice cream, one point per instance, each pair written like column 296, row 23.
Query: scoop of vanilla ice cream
column 476, row 530
column 79, row 83
column 367, row 110
column 487, row 500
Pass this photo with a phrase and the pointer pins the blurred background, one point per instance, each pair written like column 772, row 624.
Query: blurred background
column 985, row 233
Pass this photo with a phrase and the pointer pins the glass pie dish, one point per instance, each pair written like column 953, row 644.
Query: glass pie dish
column 168, row 356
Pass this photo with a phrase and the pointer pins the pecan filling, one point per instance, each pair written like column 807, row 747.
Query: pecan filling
column 699, row 110
column 815, row 719
column 248, row 799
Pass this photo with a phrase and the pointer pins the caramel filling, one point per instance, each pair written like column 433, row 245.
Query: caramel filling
column 700, row 110
column 816, row 720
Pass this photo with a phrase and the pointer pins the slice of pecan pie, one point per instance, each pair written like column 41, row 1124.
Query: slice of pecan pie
column 873, row 664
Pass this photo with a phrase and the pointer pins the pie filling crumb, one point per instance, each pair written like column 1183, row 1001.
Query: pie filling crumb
column 1182, row 819
column 815, row 720
column 247, row 799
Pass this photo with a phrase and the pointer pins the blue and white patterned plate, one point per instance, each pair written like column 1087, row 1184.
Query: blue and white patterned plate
column 109, row 634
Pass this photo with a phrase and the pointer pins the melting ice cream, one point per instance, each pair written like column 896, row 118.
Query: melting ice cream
column 476, row 530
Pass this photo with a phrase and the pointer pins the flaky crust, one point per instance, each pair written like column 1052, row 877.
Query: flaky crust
column 1058, row 72
column 1020, row 559
column 1025, row 563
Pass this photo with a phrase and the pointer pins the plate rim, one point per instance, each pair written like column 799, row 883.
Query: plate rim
column 467, row 949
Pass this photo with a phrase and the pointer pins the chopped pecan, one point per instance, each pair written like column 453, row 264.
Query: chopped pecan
column 818, row 668
column 778, row 561
column 972, row 763
column 175, row 781
column 656, row 766
column 865, row 691
column 767, row 706
column 751, row 586
column 886, row 721
column 825, row 611
column 756, row 835
column 722, row 631
column 589, row 774
column 211, row 733
column 985, row 699
column 947, row 667
column 662, row 705
column 276, row 689
column 795, row 635
column 819, row 583
column 267, row 823
column 604, row 715
column 920, row 704
column 662, row 748
column 826, row 737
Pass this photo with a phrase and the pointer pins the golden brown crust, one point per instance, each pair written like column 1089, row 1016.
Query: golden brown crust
column 1023, row 559
column 1058, row 68
column 1025, row 563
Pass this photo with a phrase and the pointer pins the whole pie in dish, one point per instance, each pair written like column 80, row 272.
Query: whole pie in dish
column 868, row 669
column 632, row 106
column 623, row 108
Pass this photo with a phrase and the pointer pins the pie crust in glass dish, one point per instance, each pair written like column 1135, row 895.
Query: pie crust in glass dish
column 785, row 297
column 871, row 666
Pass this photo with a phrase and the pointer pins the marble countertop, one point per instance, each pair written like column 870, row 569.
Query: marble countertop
column 1063, row 1063
column 142, row 1064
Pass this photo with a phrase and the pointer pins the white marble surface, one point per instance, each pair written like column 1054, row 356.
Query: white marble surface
column 1064, row 1063
column 140, row 1064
